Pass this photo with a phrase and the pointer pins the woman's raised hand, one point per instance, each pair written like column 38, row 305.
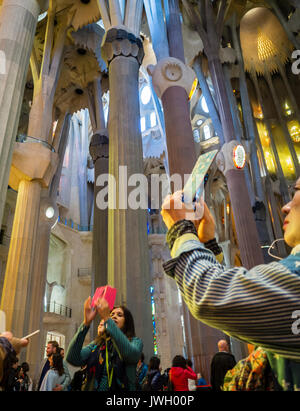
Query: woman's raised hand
column 103, row 308
column 89, row 313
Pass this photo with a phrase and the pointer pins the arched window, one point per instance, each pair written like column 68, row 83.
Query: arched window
column 153, row 119
column 145, row 95
column 206, row 132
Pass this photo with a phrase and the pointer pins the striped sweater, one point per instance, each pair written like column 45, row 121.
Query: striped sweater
column 257, row 306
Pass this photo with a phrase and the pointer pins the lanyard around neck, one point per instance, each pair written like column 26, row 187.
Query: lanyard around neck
column 110, row 374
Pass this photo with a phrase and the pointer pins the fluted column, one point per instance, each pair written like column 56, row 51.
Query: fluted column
column 35, row 311
column 169, row 333
column 128, row 256
column 32, row 168
column 18, row 21
column 16, row 290
column 99, row 152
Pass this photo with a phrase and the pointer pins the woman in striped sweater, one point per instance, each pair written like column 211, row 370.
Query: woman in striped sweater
column 259, row 306
column 112, row 358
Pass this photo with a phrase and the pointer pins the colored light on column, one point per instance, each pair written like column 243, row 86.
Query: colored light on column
column 153, row 319
column 193, row 89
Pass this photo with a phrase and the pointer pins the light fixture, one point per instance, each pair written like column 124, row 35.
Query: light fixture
column 50, row 212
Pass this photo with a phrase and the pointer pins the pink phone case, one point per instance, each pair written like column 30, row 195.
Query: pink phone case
column 107, row 292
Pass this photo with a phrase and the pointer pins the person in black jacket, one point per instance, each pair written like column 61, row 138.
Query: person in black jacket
column 79, row 378
column 10, row 382
column 153, row 380
column 221, row 363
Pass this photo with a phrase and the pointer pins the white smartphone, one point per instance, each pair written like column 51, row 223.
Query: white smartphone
column 30, row 335
column 195, row 183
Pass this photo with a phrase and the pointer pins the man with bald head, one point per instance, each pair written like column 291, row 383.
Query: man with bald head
column 221, row 363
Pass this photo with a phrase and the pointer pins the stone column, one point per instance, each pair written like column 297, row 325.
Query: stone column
column 169, row 332
column 248, row 115
column 35, row 311
column 172, row 82
column 18, row 21
column 128, row 256
column 251, row 253
column 197, row 66
column 99, row 152
column 32, row 168
column 174, row 32
column 279, row 171
column 16, row 289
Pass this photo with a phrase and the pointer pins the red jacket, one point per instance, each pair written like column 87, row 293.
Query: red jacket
column 180, row 376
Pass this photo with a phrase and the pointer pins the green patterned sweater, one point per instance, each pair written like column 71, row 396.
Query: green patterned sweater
column 130, row 352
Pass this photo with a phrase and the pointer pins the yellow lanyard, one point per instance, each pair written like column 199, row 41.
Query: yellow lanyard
column 110, row 375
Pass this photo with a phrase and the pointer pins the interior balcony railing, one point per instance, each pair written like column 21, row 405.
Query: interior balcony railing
column 59, row 309
column 75, row 226
column 23, row 138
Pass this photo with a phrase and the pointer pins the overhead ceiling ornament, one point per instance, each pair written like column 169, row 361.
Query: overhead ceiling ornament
column 265, row 44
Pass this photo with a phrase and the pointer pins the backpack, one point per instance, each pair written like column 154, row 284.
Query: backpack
column 146, row 385
column 167, row 383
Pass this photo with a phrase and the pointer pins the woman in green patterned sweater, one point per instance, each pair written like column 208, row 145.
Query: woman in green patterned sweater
column 112, row 358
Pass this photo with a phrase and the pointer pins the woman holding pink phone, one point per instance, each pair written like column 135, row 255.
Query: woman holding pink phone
column 112, row 357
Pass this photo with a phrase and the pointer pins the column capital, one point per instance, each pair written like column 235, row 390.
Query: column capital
column 170, row 72
column 32, row 161
column 232, row 156
column 120, row 42
column 99, row 145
